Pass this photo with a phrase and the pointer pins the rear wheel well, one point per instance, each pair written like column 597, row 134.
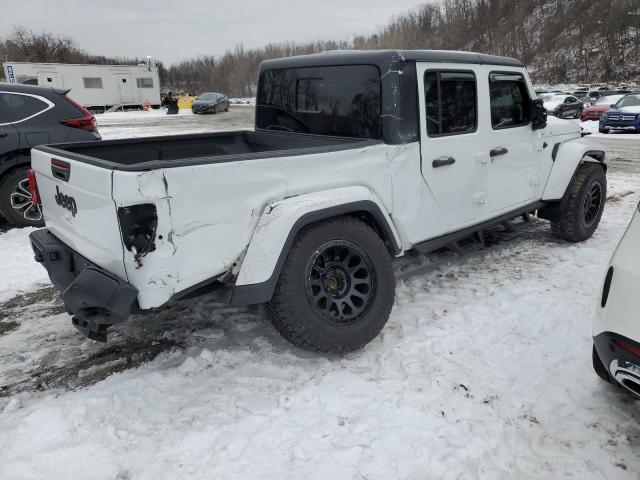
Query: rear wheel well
column 384, row 233
column 365, row 210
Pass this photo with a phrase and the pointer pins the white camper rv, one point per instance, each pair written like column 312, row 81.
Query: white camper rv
column 96, row 87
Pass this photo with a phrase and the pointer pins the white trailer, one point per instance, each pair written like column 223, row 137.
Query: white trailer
column 94, row 86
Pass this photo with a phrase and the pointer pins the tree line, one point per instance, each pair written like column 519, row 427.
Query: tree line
column 560, row 41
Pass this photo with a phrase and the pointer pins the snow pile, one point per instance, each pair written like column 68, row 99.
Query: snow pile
column 243, row 101
column 106, row 118
column 20, row 272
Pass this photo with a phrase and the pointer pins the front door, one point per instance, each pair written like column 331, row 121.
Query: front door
column 514, row 170
column 125, row 88
column 454, row 158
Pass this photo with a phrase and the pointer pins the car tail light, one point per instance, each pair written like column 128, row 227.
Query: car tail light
column 625, row 346
column 33, row 187
column 86, row 122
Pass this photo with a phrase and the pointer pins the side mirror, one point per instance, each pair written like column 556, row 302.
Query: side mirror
column 538, row 115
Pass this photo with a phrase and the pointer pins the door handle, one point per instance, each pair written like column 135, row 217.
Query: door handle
column 2, row 135
column 498, row 151
column 443, row 162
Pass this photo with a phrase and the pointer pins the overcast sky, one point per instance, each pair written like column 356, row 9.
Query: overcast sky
column 174, row 30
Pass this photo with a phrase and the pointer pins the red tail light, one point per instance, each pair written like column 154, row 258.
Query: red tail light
column 86, row 122
column 625, row 346
column 33, row 187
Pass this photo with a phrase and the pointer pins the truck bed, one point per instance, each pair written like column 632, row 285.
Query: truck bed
column 149, row 153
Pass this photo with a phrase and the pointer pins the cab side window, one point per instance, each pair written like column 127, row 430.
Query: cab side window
column 451, row 103
column 15, row 108
column 510, row 102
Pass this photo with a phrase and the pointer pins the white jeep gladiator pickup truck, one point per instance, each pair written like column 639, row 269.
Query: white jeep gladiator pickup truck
column 356, row 157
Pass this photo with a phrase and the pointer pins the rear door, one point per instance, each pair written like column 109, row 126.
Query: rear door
column 9, row 139
column 25, row 111
column 78, row 207
column 452, row 150
column 515, row 162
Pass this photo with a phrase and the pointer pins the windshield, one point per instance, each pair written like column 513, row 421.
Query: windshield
column 610, row 100
column 629, row 101
column 208, row 96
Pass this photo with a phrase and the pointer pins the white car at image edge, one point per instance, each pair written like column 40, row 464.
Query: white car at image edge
column 616, row 332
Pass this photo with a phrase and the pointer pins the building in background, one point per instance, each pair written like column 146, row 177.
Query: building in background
column 97, row 87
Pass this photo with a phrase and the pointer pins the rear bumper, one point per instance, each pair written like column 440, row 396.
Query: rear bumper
column 95, row 297
column 623, row 365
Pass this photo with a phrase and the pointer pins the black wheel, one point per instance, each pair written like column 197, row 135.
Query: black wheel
column 15, row 200
column 599, row 367
column 582, row 205
column 603, row 130
column 336, row 288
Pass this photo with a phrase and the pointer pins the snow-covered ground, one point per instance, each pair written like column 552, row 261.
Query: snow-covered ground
column 19, row 273
column 153, row 123
column 483, row 371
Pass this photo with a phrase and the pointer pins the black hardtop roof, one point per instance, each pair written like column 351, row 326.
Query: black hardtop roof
column 385, row 58
column 32, row 89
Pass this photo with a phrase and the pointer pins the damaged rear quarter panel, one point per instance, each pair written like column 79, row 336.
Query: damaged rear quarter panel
column 205, row 218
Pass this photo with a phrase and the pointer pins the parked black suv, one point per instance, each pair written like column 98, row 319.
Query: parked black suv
column 31, row 116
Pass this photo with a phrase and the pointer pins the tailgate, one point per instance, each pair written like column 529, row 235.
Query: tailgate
column 78, row 207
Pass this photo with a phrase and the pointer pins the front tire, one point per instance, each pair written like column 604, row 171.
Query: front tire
column 15, row 200
column 603, row 130
column 582, row 205
column 336, row 289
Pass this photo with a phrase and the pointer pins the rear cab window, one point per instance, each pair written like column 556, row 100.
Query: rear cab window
column 328, row 100
column 16, row 107
column 509, row 99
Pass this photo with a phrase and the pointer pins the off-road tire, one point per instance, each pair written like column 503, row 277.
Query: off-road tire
column 599, row 367
column 8, row 183
column 294, row 314
column 571, row 223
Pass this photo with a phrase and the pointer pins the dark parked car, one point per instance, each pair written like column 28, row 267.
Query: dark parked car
column 31, row 116
column 562, row 106
column 623, row 115
column 210, row 103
